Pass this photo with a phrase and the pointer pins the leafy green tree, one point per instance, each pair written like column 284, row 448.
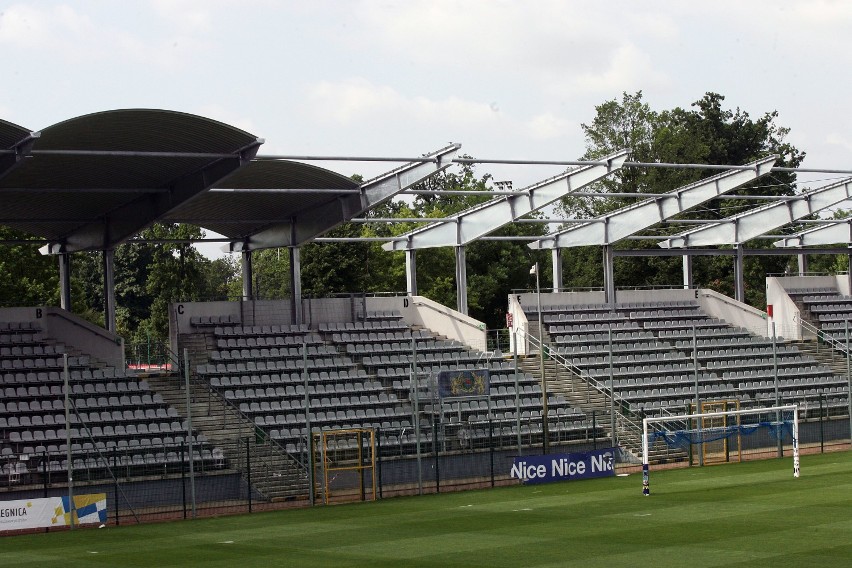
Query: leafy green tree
column 27, row 278
column 704, row 133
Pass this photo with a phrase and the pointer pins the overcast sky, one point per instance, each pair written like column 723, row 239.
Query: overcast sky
column 505, row 79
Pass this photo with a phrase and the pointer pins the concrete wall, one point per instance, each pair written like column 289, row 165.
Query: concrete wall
column 785, row 314
column 415, row 310
column 421, row 311
column 733, row 312
column 72, row 331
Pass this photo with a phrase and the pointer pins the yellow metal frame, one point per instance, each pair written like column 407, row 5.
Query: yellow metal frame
column 707, row 422
column 359, row 465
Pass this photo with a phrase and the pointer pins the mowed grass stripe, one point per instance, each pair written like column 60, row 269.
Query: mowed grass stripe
column 749, row 514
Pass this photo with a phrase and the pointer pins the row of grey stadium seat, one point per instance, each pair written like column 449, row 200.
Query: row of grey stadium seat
column 377, row 325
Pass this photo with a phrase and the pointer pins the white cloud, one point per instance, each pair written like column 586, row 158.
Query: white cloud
column 548, row 126
column 835, row 139
column 187, row 15
column 360, row 101
column 43, row 28
column 628, row 69
column 64, row 32
column 227, row 116
column 543, row 44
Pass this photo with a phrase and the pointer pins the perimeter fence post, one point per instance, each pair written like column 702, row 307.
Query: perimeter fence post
column 491, row 448
column 594, row 429
column 248, row 471
column 378, row 471
column 435, row 451
column 821, row 426
column 183, row 477
column 115, row 489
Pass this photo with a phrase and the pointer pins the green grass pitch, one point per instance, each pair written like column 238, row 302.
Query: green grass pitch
column 751, row 514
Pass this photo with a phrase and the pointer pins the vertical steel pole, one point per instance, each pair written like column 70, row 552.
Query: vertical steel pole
column 415, row 388
column 248, row 471
column 697, row 392
column 611, row 388
column 309, row 436
column 777, row 392
column 67, row 380
column 517, row 392
column 545, row 429
column 189, row 432
column 848, row 377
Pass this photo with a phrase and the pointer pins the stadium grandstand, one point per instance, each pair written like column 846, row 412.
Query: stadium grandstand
column 262, row 402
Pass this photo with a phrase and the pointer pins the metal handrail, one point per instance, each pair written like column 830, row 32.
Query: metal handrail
column 591, row 381
column 820, row 335
column 623, row 422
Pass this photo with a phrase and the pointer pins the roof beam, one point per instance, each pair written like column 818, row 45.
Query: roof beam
column 637, row 217
column 838, row 232
column 478, row 221
column 14, row 156
column 131, row 217
column 751, row 224
column 313, row 222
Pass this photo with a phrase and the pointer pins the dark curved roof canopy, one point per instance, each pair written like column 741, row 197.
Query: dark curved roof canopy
column 94, row 181
column 262, row 194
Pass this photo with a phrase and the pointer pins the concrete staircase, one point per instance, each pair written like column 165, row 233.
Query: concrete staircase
column 274, row 474
column 824, row 355
column 580, row 394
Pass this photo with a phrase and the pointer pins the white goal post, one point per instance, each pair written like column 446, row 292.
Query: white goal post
column 685, row 418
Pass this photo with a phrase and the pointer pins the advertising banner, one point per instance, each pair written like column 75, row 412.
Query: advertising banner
column 464, row 382
column 52, row 512
column 562, row 467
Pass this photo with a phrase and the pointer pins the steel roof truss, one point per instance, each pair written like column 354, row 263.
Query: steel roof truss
column 839, row 232
column 319, row 219
column 751, row 224
column 639, row 216
column 491, row 215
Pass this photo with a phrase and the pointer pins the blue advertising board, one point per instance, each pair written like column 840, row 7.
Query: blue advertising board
column 562, row 467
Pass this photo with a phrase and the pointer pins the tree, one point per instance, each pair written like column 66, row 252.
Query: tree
column 705, row 133
column 494, row 268
column 27, row 278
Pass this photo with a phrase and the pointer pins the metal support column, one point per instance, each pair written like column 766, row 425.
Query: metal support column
column 109, row 289
column 688, row 282
column 803, row 264
column 411, row 271
column 739, row 277
column 248, row 275
column 296, row 284
column 556, row 259
column 609, row 275
column 65, row 281
column 461, row 280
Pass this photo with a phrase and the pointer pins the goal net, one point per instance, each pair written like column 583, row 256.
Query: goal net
column 748, row 432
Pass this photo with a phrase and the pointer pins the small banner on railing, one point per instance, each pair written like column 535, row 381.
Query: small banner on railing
column 563, row 467
column 464, row 382
column 52, row 512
